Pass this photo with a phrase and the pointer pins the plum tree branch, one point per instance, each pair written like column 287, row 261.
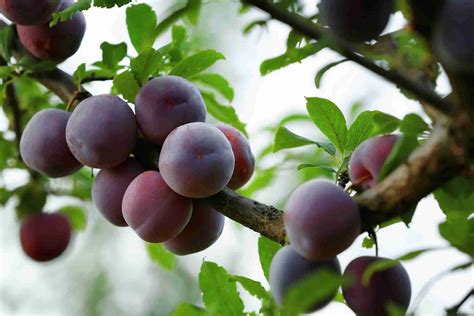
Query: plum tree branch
column 316, row 32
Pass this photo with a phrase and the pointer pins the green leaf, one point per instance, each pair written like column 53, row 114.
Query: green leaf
column 175, row 16
column 368, row 243
column 290, row 57
column 266, row 250
column 262, row 179
column 146, row 64
column 285, row 139
column 313, row 165
column 67, row 13
column 456, row 196
column 412, row 124
column 162, row 257
column 141, row 24
column 186, row 309
column 196, row 63
column 225, row 114
column 6, row 42
column 5, row 72
column 311, row 290
column 126, row 84
column 254, row 24
column 79, row 74
column 399, row 154
column 218, row 83
column 112, row 54
column 253, row 287
column 369, row 124
column 220, row 294
column 322, row 72
column 329, row 119
column 194, row 11
column 77, row 217
column 32, row 199
column 110, row 3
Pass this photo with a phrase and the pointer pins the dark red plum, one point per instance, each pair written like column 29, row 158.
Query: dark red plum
column 453, row 37
column 44, row 237
column 153, row 210
column 390, row 286
column 196, row 160
column 102, row 131
column 321, row 220
column 288, row 268
column 356, row 20
column 109, row 188
column 244, row 159
column 165, row 103
column 56, row 43
column 43, row 144
column 203, row 230
column 368, row 159
column 29, row 12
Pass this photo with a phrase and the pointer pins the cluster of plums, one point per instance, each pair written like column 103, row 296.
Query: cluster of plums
column 196, row 160
column 321, row 221
column 32, row 17
column 363, row 20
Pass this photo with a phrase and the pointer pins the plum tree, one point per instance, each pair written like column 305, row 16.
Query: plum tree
column 196, row 160
column 389, row 286
column 321, row 220
column 453, row 43
column 244, row 159
column 368, row 159
column 356, row 20
column 165, row 103
column 203, row 230
column 153, row 210
column 109, row 188
column 102, row 131
column 44, row 237
column 56, row 43
column 288, row 268
column 29, row 12
column 43, row 144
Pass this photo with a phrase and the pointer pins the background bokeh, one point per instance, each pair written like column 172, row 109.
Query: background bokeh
column 106, row 270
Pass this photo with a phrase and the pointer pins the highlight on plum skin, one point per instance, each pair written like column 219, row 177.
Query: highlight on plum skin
column 102, row 131
column 196, row 160
column 203, row 230
column 389, row 286
column 165, row 103
column 153, row 210
column 288, row 268
column 43, row 144
column 109, row 188
column 368, row 159
column 244, row 159
column 45, row 237
column 321, row 220
column 56, row 43
column 29, row 12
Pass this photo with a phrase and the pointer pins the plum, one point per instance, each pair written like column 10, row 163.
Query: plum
column 244, row 159
column 389, row 286
column 321, row 220
column 43, row 145
column 102, row 131
column 165, row 103
column 153, row 210
column 196, row 160
column 29, row 12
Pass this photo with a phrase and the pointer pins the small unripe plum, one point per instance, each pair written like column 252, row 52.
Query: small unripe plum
column 165, row 103
column 453, row 36
column 43, row 144
column 102, row 131
column 153, row 210
column 368, row 159
column 321, row 220
column 244, row 159
column 109, row 188
column 196, row 160
column 56, row 43
column 29, row 12
column 44, row 237
column 389, row 286
column 356, row 20
column 288, row 268
column 203, row 230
